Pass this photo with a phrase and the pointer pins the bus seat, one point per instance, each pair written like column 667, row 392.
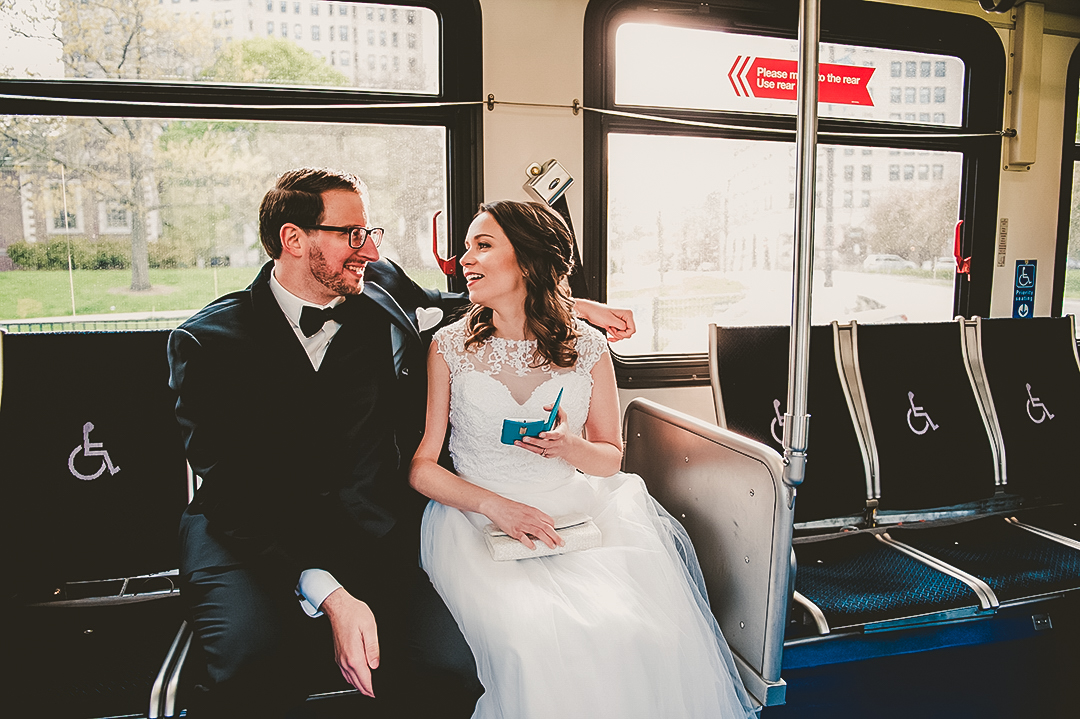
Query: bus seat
column 1059, row 522
column 1033, row 374
column 932, row 444
column 859, row 581
column 1017, row 565
column 867, row 580
column 936, row 451
column 748, row 369
column 728, row 492
column 864, row 581
column 844, row 579
column 1030, row 368
column 95, row 481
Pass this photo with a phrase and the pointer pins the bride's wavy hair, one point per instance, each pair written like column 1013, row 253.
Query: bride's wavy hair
column 545, row 253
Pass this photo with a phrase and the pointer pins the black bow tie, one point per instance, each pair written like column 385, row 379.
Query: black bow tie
column 313, row 318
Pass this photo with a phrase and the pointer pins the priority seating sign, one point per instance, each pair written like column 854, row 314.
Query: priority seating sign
column 1024, row 289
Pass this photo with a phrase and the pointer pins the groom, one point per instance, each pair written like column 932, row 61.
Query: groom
column 301, row 400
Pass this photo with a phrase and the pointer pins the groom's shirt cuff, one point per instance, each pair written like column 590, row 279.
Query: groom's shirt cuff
column 314, row 587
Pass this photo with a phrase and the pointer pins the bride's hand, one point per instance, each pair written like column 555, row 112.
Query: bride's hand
column 523, row 523
column 552, row 443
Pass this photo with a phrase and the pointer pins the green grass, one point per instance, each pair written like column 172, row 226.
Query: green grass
column 44, row 293
column 47, row 293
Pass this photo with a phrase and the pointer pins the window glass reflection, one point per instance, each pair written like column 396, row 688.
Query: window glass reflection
column 145, row 220
column 1071, row 303
column 662, row 66
column 75, row 39
column 715, row 244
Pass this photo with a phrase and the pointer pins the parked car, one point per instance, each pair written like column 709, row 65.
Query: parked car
column 886, row 263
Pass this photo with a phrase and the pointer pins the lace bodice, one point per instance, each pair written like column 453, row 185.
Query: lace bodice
column 493, row 382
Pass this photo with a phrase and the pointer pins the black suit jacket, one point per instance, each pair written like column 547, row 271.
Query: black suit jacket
column 270, row 438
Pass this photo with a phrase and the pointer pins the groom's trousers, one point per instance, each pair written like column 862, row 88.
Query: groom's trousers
column 259, row 655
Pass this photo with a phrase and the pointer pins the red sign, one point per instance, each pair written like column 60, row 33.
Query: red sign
column 776, row 79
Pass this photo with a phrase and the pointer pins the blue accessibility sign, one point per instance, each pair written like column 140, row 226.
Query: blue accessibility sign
column 1024, row 289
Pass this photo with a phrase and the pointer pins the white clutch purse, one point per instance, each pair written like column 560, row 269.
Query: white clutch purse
column 578, row 532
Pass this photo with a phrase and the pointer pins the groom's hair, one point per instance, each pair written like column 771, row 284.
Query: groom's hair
column 544, row 249
column 297, row 198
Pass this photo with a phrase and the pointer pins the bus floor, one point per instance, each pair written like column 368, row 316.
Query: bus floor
column 1033, row 676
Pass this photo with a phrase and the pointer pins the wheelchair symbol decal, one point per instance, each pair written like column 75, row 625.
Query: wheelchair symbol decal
column 918, row 412
column 778, row 422
column 1024, row 277
column 91, row 449
column 1034, row 402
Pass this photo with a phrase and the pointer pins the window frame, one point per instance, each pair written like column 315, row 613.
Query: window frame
column 1070, row 155
column 969, row 38
column 461, row 80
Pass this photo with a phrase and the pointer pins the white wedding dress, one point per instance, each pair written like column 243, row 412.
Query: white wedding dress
column 618, row 631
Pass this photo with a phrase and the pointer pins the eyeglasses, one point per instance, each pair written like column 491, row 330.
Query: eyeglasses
column 357, row 235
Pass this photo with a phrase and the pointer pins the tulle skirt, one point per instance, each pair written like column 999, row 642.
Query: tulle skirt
column 620, row 631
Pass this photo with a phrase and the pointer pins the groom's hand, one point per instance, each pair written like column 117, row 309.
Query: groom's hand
column 356, row 638
column 618, row 322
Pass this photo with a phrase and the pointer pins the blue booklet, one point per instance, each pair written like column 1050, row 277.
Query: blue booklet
column 515, row 429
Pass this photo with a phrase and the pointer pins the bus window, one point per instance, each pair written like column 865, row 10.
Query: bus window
column 698, row 161
column 754, row 73
column 130, row 183
column 1071, row 301
column 119, row 216
column 1069, row 222
column 713, row 243
column 256, row 43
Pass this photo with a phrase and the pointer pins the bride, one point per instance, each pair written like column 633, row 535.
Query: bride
column 619, row 630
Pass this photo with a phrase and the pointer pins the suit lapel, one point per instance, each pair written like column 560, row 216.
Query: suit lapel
column 274, row 327
column 279, row 334
column 397, row 315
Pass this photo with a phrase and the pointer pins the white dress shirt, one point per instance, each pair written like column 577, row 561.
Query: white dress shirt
column 318, row 343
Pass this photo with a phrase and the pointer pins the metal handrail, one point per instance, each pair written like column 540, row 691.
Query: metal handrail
column 796, row 420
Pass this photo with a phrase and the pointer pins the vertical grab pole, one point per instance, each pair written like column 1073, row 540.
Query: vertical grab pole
column 796, row 421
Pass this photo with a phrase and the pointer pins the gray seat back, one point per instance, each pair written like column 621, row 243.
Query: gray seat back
column 728, row 492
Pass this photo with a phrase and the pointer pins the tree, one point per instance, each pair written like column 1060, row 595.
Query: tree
column 111, row 39
column 414, row 184
column 272, row 61
column 716, row 221
column 402, row 166
column 663, row 258
column 916, row 224
column 211, row 180
column 624, row 238
column 202, row 179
